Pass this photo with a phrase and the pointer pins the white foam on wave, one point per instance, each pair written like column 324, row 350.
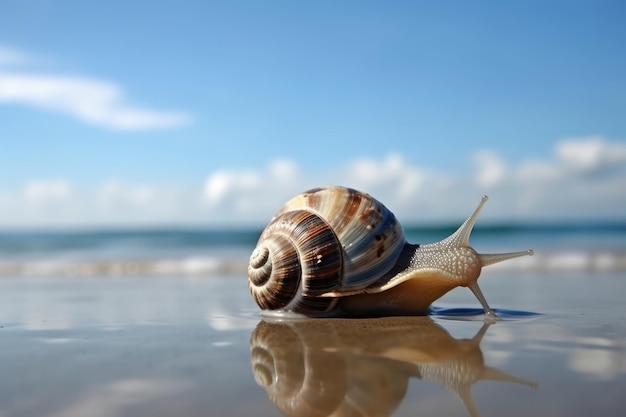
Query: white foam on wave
column 192, row 266
column 568, row 261
column 555, row 261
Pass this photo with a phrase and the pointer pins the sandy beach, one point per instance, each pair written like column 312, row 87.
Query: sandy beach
column 157, row 346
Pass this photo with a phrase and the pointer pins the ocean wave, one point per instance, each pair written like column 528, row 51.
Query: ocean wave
column 559, row 261
column 192, row 266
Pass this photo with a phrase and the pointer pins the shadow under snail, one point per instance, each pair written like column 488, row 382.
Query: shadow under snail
column 338, row 252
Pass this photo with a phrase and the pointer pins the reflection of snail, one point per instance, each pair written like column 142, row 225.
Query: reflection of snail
column 346, row 367
column 335, row 251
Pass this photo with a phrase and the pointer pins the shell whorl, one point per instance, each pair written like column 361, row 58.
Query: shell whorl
column 324, row 240
column 298, row 258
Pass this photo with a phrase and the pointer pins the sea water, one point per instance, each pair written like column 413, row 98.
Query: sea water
column 201, row 252
column 160, row 322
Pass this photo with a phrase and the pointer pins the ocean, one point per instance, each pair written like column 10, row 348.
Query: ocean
column 160, row 322
column 206, row 252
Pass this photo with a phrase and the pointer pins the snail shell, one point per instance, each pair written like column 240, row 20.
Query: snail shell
column 336, row 251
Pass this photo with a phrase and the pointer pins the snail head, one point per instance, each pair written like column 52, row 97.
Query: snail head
column 457, row 261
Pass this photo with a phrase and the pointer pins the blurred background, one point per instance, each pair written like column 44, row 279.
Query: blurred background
column 155, row 139
column 205, row 115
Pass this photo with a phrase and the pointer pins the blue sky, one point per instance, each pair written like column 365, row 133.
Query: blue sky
column 215, row 112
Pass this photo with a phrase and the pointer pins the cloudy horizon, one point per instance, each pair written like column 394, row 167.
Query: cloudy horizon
column 577, row 183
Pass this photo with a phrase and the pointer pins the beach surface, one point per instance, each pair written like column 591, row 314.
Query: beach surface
column 198, row 346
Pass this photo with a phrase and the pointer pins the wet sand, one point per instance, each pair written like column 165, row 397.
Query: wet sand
column 162, row 346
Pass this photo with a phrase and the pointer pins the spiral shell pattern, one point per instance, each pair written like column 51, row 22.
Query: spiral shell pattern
column 325, row 240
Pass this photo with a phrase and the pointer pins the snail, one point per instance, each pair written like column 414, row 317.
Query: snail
column 339, row 252
column 363, row 367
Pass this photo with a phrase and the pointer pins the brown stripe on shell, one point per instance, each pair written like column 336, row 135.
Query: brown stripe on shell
column 337, row 205
column 346, row 205
column 320, row 253
column 368, row 232
column 260, row 267
column 306, row 261
column 281, row 281
column 375, row 241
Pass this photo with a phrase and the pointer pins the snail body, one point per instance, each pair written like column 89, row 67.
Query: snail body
column 336, row 251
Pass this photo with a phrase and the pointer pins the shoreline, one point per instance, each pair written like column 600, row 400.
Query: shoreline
column 212, row 265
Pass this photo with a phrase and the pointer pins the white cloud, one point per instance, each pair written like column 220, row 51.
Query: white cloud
column 533, row 170
column 531, row 189
column 390, row 178
column 114, row 202
column 94, row 101
column 491, row 168
column 57, row 203
column 225, row 184
column 40, row 192
column 231, row 195
column 284, row 170
column 136, row 195
column 590, row 154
